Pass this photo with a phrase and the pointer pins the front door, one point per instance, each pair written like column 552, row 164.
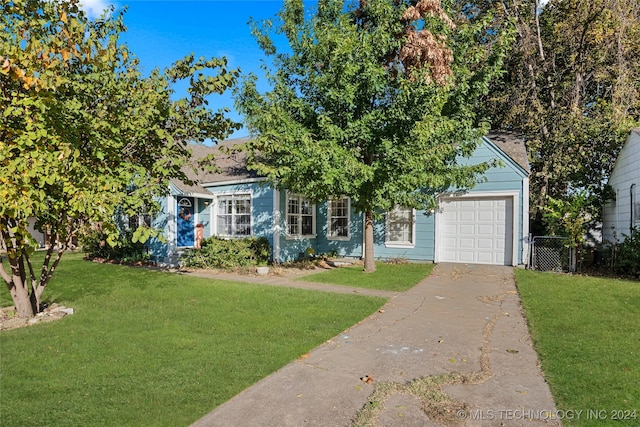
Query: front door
column 185, row 221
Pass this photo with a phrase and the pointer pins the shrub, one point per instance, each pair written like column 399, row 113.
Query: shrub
column 627, row 255
column 228, row 254
column 125, row 250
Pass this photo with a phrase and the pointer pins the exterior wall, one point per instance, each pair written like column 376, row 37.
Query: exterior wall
column 36, row 234
column 351, row 247
column 424, row 235
column 204, row 213
column 510, row 180
column 290, row 247
column 617, row 214
column 160, row 249
column 261, row 208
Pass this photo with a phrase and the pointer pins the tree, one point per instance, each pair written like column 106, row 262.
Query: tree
column 572, row 87
column 84, row 133
column 374, row 101
column 571, row 217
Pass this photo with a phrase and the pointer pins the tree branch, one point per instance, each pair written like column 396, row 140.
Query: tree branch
column 3, row 272
column 537, row 15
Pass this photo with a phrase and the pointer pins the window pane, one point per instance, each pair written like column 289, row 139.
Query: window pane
column 306, row 207
column 243, row 225
column 307, row 225
column 243, row 206
column 234, row 215
column 224, row 206
column 339, row 218
column 300, row 216
column 293, row 207
column 340, row 227
column 292, row 221
column 400, row 225
column 224, row 225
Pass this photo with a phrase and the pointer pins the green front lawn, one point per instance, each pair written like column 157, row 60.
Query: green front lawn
column 387, row 277
column 587, row 333
column 153, row 348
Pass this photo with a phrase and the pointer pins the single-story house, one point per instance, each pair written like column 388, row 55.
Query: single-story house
column 622, row 214
column 487, row 225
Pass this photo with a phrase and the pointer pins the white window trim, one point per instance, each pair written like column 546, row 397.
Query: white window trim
column 286, row 218
column 400, row 245
column 214, row 213
column 339, row 238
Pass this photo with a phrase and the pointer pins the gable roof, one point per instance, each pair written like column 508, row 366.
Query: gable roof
column 231, row 167
column 512, row 145
column 624, row 150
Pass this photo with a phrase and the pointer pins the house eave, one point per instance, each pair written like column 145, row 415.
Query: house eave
column 525, row 173
column 233, row 182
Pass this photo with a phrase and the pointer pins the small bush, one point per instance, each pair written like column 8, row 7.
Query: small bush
column 228, row 254
column 95, row 244
column 627, row 255
column 622, row 258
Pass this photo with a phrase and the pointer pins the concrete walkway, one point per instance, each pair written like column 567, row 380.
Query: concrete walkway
column 452, row 351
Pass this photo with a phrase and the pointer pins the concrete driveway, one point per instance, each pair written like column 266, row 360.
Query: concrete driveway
column 453, row 351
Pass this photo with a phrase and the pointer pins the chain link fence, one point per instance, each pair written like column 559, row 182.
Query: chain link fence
column 551, row 253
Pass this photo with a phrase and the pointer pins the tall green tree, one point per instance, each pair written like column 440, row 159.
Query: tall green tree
column 374, row 101
column 84, row 133
column 572, row 87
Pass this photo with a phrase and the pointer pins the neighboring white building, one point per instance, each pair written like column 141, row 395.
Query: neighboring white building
column 621, row 215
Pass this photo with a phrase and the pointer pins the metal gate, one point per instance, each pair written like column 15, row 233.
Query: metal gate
column 551, row 253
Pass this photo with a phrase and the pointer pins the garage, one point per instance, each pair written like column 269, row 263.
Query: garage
column 476, row 230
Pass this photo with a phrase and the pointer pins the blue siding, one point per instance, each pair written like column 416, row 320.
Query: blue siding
column 509, row 178
column 203, row 215
column 292, row 248
column 159, row 249
column 261, row 216
column 344, row 248
column 424, row 247
column 261, row 207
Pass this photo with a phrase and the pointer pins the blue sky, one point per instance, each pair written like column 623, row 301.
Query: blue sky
column 160, row 32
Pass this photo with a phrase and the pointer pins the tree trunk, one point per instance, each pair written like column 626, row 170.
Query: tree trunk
column 27, row 304
column 369, row 261
column 21, row 298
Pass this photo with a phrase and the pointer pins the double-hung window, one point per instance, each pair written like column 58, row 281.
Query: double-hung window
column 234, row 215
column 301, row 216
column 400, row 227
column 338, row 218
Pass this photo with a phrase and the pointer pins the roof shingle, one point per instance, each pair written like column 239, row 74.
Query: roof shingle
column 230, row 166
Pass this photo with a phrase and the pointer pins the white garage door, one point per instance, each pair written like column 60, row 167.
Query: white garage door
column 477, row 231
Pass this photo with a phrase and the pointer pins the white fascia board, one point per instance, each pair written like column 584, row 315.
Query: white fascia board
column 232, row 182
column 525, row 221
column 174, row 190
column 207, row 196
